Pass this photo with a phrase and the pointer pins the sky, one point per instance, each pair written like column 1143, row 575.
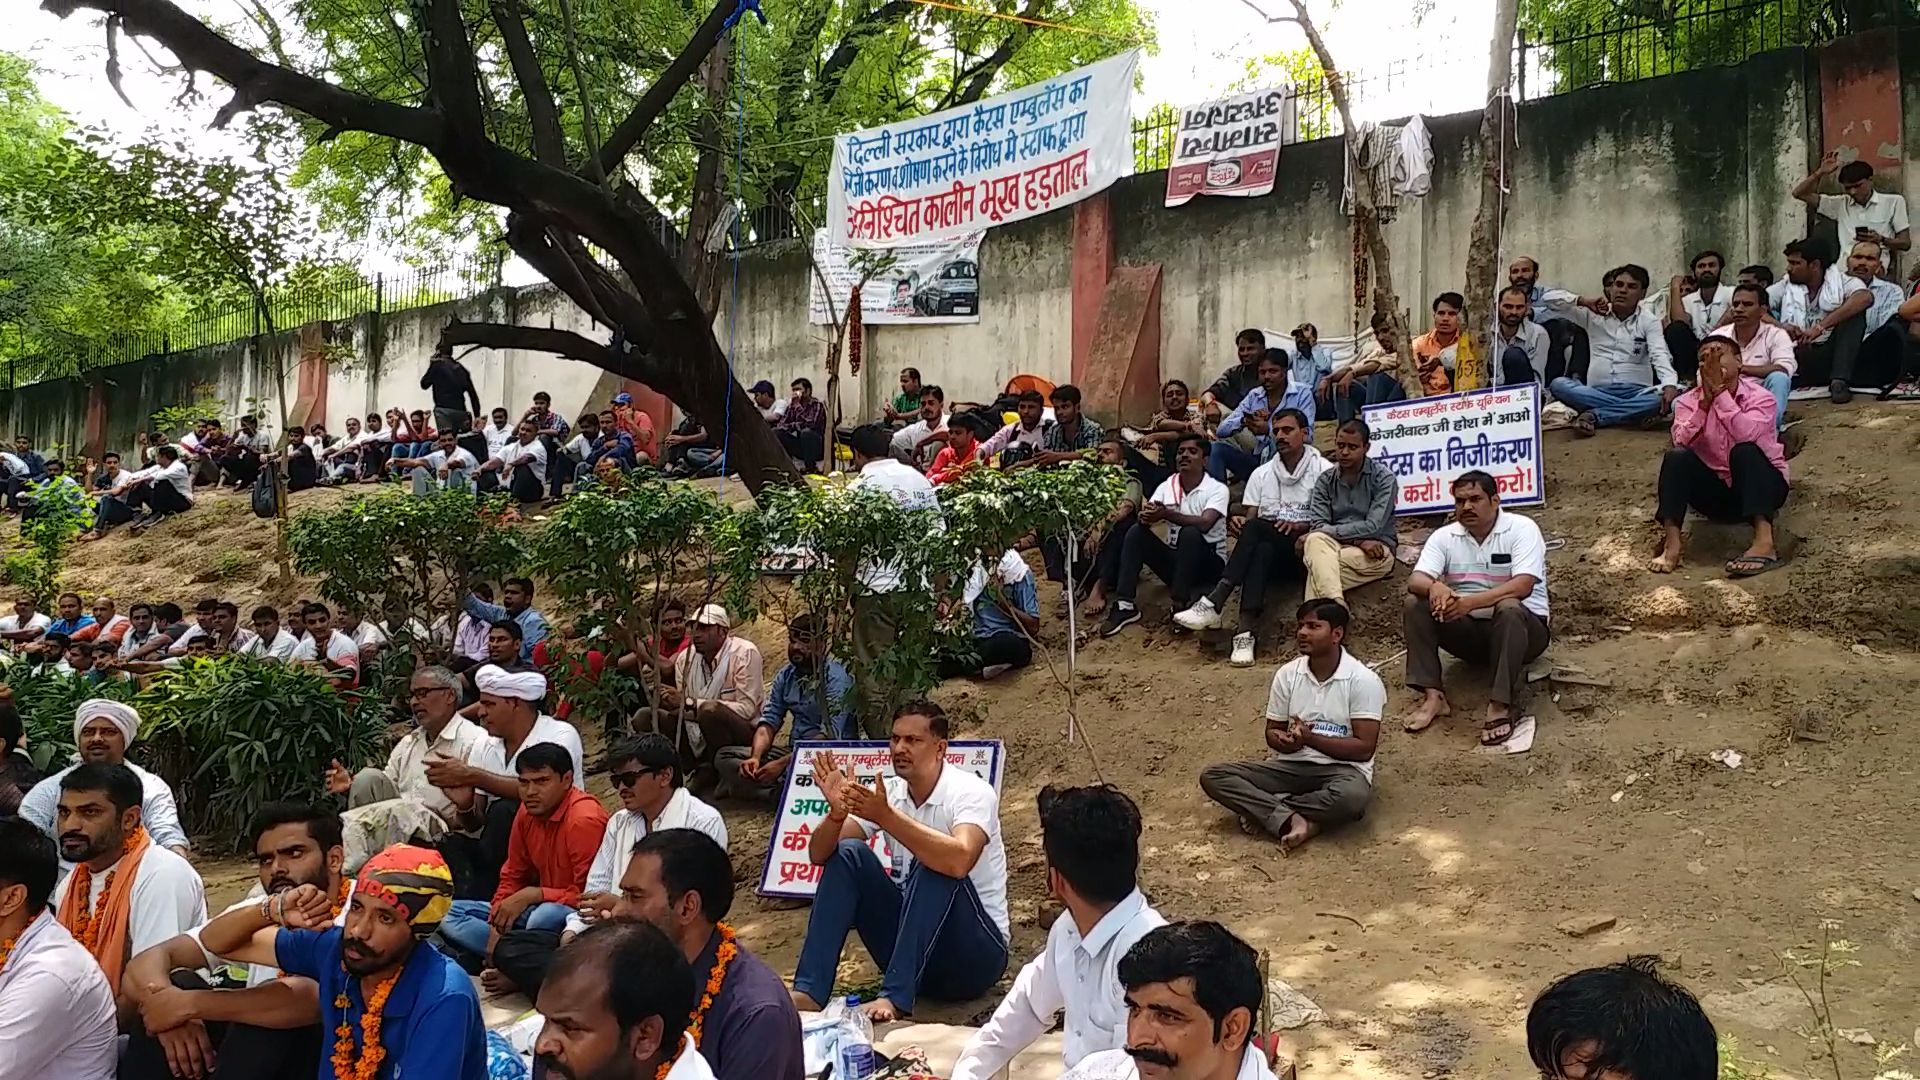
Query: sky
column 1435, row 66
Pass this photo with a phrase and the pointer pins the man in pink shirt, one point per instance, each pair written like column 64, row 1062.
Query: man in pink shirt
column 1726, row 461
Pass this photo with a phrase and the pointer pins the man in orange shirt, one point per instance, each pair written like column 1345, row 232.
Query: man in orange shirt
column 1438, row 353
column 555, row 835
column 962, row 451
column 638, row 426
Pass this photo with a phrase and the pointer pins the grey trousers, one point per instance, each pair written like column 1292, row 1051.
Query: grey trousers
column 1506, row 642
column 1269, row 792
column 370, row 785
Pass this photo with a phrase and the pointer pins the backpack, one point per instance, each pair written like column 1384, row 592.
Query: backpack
column 265, row 504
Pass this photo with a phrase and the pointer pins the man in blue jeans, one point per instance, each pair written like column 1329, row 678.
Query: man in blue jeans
column 1630, row 375
column 935, row 917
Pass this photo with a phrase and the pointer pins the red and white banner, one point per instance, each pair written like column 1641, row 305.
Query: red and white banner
column 1230, row 146
column 1013, row 156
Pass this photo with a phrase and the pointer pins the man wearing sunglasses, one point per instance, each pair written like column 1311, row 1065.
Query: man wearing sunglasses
column 653, row 796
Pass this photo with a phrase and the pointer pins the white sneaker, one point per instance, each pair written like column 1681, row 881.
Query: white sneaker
column 1201, row 616
column 1242, row 650
column 1131, row 436
column 994, row 671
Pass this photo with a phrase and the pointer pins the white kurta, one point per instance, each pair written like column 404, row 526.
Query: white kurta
column 56, row 1010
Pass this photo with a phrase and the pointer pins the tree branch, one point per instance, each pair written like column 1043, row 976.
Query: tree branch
column 982, row 75
column 827, row 82
column 453, row 80
column 198, row 47
column 549, row 145
column 648, row 109
column 531, row 338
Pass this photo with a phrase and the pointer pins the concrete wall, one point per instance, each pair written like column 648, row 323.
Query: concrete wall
column 1645, row 172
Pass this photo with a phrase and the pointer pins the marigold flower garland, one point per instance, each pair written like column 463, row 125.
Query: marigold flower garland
column 88, row 932
column 345, row 1067
column 6, row 952
column 722, row 959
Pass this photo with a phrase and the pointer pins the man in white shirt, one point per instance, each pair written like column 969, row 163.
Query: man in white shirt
column 1860, row 213
column 276, row 644
column 1696, row 304
column 57, row 1016
column 398, row 804
column 1883, row 353
column 1194, row 506
column 945, row 892
column 126, row 893
column 1181, row 1029
column 771, row 405
column 1630, row 373
column 366, row 634
column 144, row 497
column 1520, row 344
column 102, row 731
column 25, row 625
column 523, row 464
column 1323, row 726
column 1273, row 513
column 1025, row 437
column 498, row 431
column 271, row 1024
column 447, row 467
column 915, row 443
column 874, row 622
column 1480, row 592
column 1824, row 310
column 326, row 650
column 1091, row 836
column 343, row 457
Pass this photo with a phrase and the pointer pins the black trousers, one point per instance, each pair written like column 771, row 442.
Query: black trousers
column 475, row 861
column 525, row 486
column 1262, row 554
column 1886, row 356
column 1832, row 360
column 1568, row 351
column 524, row 956
column 1516, row 367
column 373, row 458
column 806, row 446
column 303, row 472
column 1150, row 472
column 241, row 1051
column 1684, row 344
column 159, row 498
column 1758, row 490
column 241, row 467
column 1189, row 566
column 1013, row 650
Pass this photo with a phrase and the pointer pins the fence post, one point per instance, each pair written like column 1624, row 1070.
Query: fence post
column 1521, row 46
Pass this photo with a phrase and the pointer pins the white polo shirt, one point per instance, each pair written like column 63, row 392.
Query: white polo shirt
column 1208, row 494
column 1885, row 213
column 1705, row 314
column 1355, row 692
column 1514, row 546
column 958, row 798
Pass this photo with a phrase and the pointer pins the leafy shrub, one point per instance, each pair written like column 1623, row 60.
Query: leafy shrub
column 46, row 700
column 49, row 535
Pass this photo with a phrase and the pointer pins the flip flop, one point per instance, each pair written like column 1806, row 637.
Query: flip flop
column 1487, row 737
column 1746, row 566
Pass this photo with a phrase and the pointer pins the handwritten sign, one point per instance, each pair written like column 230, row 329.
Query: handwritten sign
column 1428, row 442
column 787, row 871
column 1230, row 146
column 928, row 283
column 1044, row 146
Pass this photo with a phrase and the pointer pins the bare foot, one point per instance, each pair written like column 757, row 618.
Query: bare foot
column 1299, row 831
column 804, row 1003
column 494, row 981
column 1666, row 562
column 880, row 1011
column 1431, row 708
column 1095, row 605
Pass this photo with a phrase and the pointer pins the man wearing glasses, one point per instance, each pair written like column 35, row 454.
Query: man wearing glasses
column 653, row 796
column 398, row 804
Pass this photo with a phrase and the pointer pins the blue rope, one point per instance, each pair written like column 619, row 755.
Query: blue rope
column 741, row 9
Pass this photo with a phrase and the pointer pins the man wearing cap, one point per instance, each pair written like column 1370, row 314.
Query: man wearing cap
column 638, row 425
column 717, row 690
column 765, row 398
column 425, row 1015
column 102, row 730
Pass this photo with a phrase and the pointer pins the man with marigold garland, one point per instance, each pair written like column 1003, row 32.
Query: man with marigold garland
column 396, row 1007
column 270, row 1025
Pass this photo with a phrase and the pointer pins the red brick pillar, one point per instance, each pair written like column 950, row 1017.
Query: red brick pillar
column 1092, row 269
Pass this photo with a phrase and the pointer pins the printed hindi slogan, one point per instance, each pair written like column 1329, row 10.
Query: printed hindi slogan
column 1013, row 156
column 927, row 283
column 787, row 871
column 1429, row 441
column 1230, row 146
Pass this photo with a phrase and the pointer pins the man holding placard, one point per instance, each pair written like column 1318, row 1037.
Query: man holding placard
column 936, row 921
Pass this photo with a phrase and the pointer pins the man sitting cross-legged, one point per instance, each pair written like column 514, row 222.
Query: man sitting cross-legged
column 555, row 834
column 102, row 731
column 1091, row 836
column 56, row 1009
column 1480, row 592
column 160, row 490
column 1005, row 604
column 519, row 467
column 718, row 687
column 645, row 774
column 325, row 650
column 1630, row 375
column 1274, row 512
column 446, row 468
column 937, row 924
column 271, row 1026
column 1254, row 414
column 1323, row 726
column 126, row 894
column 1193, row 992
column 428, row 1015
column 819, row 712
column 1353, row 535
column 1194, row 506
column 1726, row 461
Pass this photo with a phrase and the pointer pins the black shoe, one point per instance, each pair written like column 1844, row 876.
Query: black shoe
column 1118, row 619
column 1839, row 392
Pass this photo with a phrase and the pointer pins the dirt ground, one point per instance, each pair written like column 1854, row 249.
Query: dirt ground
column 1425, row 930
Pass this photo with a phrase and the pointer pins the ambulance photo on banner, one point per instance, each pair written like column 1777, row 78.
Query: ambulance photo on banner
column 926, row 283
column 1010, row 157
column 1230, row 146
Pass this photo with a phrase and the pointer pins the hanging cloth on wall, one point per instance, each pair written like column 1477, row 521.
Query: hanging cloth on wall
column 1399, row 158
column 1413, row 159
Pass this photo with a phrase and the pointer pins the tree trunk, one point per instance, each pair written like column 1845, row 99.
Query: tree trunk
column 703, row 267
column 1366, row 218
column 1489, row 222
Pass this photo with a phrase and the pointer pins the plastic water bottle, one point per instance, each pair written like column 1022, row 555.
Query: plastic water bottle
column 855, row 1058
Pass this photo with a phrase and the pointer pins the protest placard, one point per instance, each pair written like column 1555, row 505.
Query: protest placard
column 787, row 872
column 1230, row 146
column 927, row 283
column 1013, row 156
column 1429, row 441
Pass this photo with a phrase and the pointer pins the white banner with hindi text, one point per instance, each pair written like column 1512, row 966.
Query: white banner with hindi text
column 1428, row 442
column 1013, row 156
column 1230, row 146
column 927, row 283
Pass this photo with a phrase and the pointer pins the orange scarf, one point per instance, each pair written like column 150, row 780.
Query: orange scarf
column 104, row 929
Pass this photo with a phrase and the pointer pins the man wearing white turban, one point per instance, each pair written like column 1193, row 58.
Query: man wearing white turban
column 102, row 730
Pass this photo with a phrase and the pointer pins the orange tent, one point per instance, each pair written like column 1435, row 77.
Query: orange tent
column 1020, row 384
